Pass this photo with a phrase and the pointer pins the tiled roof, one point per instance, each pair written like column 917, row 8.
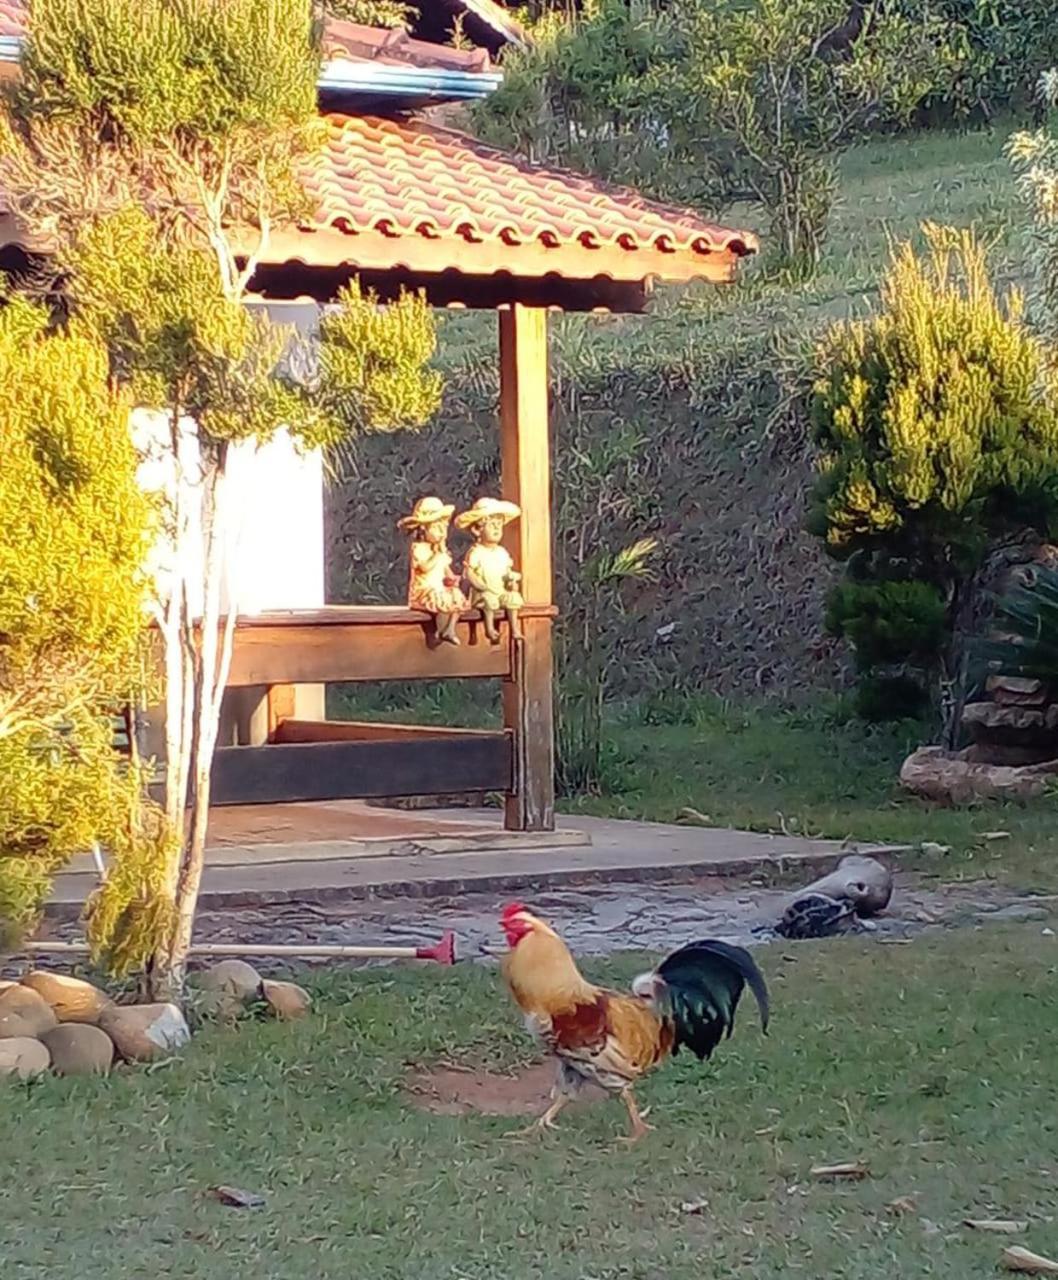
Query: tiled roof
column 414, row 200
column 350, row 41
column 404, row 193
column 341, row 40
column 12, row 18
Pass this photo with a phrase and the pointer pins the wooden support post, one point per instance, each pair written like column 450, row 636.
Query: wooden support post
column 526, row 471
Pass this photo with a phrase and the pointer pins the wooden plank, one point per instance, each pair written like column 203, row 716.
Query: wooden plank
column 360, row 615
column 282, row 703
column 277, row 774
column 290, row 731
column 526, row 479
column 299, row 653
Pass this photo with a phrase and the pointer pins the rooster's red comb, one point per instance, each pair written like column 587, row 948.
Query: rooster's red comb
column 512, row 909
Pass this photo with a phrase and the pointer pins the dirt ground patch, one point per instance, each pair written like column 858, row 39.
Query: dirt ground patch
column 449, row 1090
column 458, row 1091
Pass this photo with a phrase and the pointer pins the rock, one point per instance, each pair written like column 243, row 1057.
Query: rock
column 863, row 882
column 949, row 779
column 24, row 1013
column 1019, row 911
column 286, row 999
column 1004, row 753
column 23, row 1057
column 79, row 1049
column 71, row 999
column 232, row 978
column 1011, row 726
column 144, row 1032
column 1017, row 691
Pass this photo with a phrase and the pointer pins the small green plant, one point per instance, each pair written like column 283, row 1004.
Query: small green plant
column 586, row 657
column 581, row 93
column 1027, row 620
column 373, row 13
column 781, row 87
column 901, row 625
column 881, row 699
column 1034, row 157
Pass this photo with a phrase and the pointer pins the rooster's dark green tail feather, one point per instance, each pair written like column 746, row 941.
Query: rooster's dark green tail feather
column 703, row 985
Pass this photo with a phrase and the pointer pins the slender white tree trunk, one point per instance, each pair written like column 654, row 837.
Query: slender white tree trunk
column 198, row 656
column 198, row 660
column 213, row 662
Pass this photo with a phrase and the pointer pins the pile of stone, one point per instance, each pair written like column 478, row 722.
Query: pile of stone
column 1017, row 725
column 50, row 1021
column 53, row 1022
column 1013, row 751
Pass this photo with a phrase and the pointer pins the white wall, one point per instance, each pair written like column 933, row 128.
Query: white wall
column 275, row 546
column 272, row 510
column 272, row 513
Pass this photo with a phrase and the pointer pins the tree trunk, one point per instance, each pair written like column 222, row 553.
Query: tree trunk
column 205, row 660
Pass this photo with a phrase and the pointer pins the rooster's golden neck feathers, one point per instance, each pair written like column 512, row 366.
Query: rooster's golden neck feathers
column 539, row 967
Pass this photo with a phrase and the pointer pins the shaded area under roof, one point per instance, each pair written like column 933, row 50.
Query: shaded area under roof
column 485, row 22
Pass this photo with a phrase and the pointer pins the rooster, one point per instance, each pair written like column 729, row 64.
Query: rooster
column 612, row 1039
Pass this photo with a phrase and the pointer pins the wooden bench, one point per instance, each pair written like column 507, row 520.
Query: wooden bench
column 306, row 760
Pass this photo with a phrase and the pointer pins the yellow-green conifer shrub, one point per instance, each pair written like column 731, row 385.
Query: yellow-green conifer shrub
column 937, row 421
column 74, row 528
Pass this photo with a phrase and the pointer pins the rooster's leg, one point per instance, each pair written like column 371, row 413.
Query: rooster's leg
column 546, row 1121
column 640, row 1128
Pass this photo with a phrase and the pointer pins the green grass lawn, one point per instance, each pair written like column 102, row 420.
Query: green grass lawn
column 933, row 1063
column 818, row 775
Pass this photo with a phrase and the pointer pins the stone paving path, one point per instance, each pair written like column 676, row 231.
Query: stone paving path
column 614, row 917
column 598, row 920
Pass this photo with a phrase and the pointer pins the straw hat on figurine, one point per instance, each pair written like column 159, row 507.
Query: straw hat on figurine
column 483, row 508
column 427, row 511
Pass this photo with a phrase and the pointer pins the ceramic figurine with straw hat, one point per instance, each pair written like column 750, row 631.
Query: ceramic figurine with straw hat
column 433, row 585
column 488, row 567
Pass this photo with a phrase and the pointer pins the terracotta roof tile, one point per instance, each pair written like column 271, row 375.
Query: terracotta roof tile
column 348, row 41
column 12, row 18
column 406, row 179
